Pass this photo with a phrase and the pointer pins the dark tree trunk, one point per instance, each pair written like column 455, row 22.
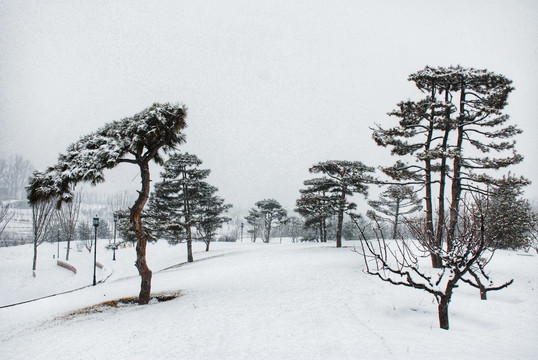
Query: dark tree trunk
column 268, row 231
column 340, row 218
column 34, row 265
column 189, row 250
column 456, row 177
column 483, row 293
column 436, row 260
column 187, row 210
column 442, row 310
column 323, row 234
column 444, row 300
column 207, row 242
column 442, row 183
column 68, row 247
column 482, row 288
column 442, row 177
column 397, row 214
column 136, row 211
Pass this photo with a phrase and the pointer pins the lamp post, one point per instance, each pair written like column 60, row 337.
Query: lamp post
column 95, row 225
column 242, row 232
column 114, row 248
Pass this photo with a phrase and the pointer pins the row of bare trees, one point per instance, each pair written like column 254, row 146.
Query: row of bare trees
column 14, row 173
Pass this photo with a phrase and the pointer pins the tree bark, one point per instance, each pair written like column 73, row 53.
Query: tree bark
column 442, row 177
column 187, row 210
column 436, row 260
column 34, row 265
column 395, row 230
column 340, row 218
column 442, row 310
column 67, row 251
column 136, row 211
column 189, row 245
column 323, row 234
column 456, row 177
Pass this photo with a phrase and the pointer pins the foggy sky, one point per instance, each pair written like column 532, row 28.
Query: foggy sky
column 272, row 87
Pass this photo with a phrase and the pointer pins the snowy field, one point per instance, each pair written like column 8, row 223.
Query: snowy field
column 256, row 301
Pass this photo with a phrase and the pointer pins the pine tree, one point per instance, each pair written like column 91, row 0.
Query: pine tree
column 510, row 217
column 209, row 213
column 265, row 214
column 466, row 120
column 183, row 201
column 317, row 204
column 343, row 179
column 254, row 219
column 397, row 201
column 136, row 140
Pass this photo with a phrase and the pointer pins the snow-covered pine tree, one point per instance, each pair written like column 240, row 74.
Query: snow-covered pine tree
column 466, row 120
column 396, row 201
column 254, row 219
column 265, row 214
column 209, row 213
column 317, row 204
column 344, row 178
column 134, row 140
column 510, row 217
column 183, row 200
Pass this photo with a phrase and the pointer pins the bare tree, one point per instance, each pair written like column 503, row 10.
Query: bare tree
column 401, row 262
column 396, row 202
column 5, row 217
column 42, row 213
column 14, row 173
column 68, row 219
column 122, row 200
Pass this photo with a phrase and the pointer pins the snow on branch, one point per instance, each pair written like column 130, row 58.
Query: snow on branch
column 140, row 136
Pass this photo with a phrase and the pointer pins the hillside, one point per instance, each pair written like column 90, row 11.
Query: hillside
column 258, row 301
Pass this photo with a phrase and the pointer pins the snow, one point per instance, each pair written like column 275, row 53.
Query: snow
column 257, row 301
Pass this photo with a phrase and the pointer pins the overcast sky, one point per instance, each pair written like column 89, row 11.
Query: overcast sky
column 272, row 87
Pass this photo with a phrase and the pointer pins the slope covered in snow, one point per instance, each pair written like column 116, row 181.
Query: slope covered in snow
column 269, row 301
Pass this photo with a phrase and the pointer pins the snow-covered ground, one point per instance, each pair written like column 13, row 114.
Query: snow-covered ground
column 257, row 301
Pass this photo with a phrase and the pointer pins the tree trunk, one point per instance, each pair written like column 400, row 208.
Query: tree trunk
column 34, row 265
column 207, row 242
column 187, row 211
column 136, row 211
column 340, row 218
column 323, row 231
column 442, row 310
column 442, row 177
column 268, row 230
column 456, row 177
column 67, row 251
column 395, row 230
column 483, row 291
column 189, row 245
column 436, row 260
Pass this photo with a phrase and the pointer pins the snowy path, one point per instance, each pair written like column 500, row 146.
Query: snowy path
column 259, row 301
